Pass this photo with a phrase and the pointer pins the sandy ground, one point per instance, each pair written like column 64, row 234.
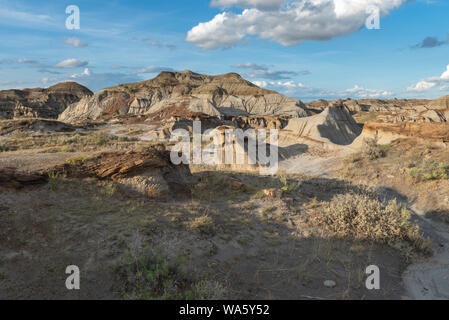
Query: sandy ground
column 259, row 260
column 33, row 160
column 429, row 280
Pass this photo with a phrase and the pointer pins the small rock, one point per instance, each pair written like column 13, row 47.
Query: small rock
column 330, row 284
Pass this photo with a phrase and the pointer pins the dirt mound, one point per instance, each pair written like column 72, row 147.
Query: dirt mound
column 222, row 95
column 40, row 103
column 334, row 125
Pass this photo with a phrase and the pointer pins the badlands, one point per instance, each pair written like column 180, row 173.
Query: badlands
column 87, row 179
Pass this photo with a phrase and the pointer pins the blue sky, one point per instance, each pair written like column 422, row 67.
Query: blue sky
column 323, row 52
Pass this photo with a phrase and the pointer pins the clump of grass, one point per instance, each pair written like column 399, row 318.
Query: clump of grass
column 372, row 150
column 269, row 210
column 101, row 139
column 204, row 224
column 364, row 217
column 67, row 149
column 108, row 188
column 53, row 180
column 4, row 147
column 286, row 185
column 70, row 140
column 211, row 290
column 429, row 170
column 147, row 274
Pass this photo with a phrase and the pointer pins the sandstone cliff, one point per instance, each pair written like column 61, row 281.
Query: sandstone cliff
column 222, row 95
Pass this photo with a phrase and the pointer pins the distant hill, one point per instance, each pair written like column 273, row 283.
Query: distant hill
column 441, row 103
column 221, row 95
column 40, row 103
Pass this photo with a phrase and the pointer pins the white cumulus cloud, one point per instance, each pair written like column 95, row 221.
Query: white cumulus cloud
column 259, row 4
column 261, row 84
column 86, row 72
column 429, row 83
column 71, row 63
column 75, row 42
column 421, row 86
column 361, row 92
column 288, row 23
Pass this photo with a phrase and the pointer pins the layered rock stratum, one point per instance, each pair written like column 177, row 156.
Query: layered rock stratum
column 40, row 103
column 220, row 96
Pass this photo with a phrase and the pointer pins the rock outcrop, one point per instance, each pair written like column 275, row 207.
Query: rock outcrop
column 222, row 95
column 33, row 125
column 40, row 103
column 334, row 125
column 370, row 105
column 149, row 173
column 441, row 103
column 387, row 132
column 11, row 178
column 394, row 110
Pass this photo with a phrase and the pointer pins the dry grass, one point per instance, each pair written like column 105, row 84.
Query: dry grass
column 64, row 142
column 204, row 224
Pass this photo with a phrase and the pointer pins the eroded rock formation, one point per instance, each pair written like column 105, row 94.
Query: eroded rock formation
column 222, row 95
column 40, row 103
column 150, row 173
column 335, row 125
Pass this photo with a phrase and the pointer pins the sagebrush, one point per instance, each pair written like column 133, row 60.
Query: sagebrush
column 365, row 217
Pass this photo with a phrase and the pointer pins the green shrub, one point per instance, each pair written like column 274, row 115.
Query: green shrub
column 4, row 147
column 286, row 185
column 429, row 170
column 149, row 275
column 372, row 150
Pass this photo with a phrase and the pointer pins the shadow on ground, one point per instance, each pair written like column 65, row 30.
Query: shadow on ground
column 251, row 244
